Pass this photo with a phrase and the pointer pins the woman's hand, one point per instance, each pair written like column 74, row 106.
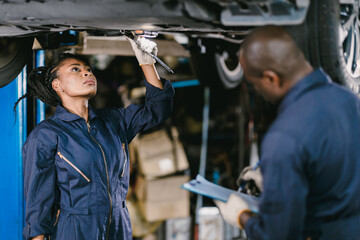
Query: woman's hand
column 145, row 60
column 142, row 47
column 40, row 237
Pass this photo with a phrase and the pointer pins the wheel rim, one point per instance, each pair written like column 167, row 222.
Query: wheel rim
column 350, row 37
column 230, row 65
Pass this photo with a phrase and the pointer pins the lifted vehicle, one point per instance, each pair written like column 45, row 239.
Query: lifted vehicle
column 327, row 31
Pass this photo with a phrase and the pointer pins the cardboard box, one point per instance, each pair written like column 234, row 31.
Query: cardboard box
column 158, row 156
column 161, row 199
column 157, row 211
column 140, row 227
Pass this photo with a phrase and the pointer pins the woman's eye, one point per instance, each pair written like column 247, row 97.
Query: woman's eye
column 75, row 69
column 90, row 70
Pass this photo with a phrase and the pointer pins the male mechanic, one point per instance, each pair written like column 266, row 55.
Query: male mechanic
column 310, row 156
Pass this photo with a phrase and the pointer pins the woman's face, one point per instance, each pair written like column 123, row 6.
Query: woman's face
column 75, row 79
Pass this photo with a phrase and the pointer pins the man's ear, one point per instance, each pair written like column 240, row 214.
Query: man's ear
column 56, row 85
column 272, row 78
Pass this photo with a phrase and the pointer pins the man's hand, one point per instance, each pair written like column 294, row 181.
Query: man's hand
column 148, row 46
column 248, row 175
column 233, row 209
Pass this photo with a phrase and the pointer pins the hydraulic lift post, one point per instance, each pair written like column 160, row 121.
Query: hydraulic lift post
column 13, row 133
column 12, row 138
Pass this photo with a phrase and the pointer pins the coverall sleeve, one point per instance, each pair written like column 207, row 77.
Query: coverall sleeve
column 283, row 201
column 157, row 108
column 39, row 186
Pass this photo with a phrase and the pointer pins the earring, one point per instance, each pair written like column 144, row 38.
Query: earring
column 62, row 90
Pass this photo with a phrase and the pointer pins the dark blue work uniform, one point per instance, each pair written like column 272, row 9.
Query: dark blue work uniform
column 311, row 165
column 76, row 174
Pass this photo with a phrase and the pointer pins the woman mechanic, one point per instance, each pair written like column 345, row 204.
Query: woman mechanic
column 76, row 171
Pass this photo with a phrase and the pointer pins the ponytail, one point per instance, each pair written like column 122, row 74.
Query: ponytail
column 40, row 86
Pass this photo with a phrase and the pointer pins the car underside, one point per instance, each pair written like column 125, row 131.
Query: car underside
column 215, row 30
column 19, row 18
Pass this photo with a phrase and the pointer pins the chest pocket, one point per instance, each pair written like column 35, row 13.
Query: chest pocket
column 73, row 166
column 124, row 167
column 74, row 180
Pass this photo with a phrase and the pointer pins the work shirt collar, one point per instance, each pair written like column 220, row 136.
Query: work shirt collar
column 313, row 80
column 63, row 114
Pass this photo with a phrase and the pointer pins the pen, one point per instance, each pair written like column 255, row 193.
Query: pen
column 244, row 183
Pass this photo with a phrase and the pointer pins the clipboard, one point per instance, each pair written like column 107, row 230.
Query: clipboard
column 208, row 189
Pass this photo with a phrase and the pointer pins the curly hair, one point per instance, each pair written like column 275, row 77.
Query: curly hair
column 40, row 81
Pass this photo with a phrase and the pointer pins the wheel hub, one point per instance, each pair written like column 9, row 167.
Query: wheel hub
column 230, row 65
column 349, row 33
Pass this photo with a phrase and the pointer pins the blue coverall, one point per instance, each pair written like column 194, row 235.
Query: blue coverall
column 311, row 165
column 81, row 170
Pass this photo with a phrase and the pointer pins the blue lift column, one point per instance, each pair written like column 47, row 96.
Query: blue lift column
column 12, row 137
column 40, row 106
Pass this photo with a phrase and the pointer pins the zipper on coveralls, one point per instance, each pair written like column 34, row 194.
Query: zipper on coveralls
column 107, row 176
column 73, row 166
column 124, row 166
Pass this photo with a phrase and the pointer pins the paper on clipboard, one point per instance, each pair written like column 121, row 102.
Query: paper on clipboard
column 203, row 187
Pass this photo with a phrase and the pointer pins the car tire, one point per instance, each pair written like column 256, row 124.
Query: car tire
column 216, row 62
column 14, row 54
column 334, row 40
